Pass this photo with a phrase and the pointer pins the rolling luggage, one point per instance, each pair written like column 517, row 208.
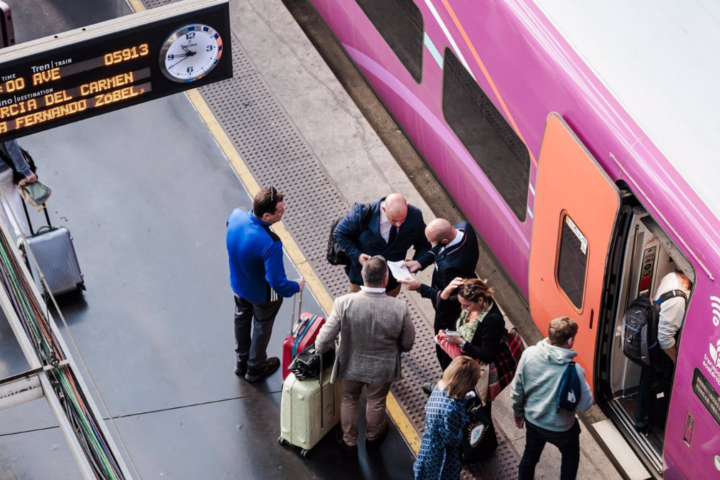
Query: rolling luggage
column 303, row 332
column 54, row 252
column 308, row 410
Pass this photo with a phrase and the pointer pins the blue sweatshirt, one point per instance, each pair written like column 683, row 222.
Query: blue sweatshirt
column 255, row 253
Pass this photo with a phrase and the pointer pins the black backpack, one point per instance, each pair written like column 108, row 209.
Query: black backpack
column 335, row 254
column 640, row 327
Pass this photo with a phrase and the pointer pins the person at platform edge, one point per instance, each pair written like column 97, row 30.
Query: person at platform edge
column 534, row 392
column 392, row 228
column 455, row 248
column 374, row 330
column 257, row 277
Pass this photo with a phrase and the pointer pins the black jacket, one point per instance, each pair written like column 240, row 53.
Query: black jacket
column 486, row 342
column 457, row 261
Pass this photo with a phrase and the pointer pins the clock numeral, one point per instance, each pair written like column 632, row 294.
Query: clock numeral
column 171, row 57
column 190, row 35
column 190, row 69
column 210, row 48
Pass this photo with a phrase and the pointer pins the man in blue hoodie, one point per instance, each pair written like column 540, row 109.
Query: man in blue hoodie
column 257, row 276
column 534, row 392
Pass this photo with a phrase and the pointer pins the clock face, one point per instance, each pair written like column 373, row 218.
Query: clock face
column 190, row 53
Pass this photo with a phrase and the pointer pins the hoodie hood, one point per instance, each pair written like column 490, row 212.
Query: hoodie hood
column 553, row 354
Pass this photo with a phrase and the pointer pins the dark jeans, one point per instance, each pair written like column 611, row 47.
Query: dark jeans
column 661, row 371
column 253, row 328
column 568, row 442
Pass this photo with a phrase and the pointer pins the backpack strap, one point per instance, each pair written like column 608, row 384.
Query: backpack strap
column 366, row 217
column 672, row 294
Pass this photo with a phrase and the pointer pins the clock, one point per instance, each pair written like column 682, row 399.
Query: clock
column 190, row 53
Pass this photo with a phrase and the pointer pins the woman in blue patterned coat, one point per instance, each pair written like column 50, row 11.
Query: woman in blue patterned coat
column 445, row 420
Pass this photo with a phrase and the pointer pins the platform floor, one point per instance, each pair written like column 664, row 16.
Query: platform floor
column 155, row 326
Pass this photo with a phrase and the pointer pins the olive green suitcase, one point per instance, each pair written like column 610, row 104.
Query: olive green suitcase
column 307, row 411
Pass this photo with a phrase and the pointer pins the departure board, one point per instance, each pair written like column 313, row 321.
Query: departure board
column 112, row 65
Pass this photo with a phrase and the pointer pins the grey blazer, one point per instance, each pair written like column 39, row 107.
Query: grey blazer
column 374, row 329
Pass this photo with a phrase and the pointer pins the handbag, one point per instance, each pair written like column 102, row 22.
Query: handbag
column 481, row 388
column 502, row 370
column 479, row 440
column 36, row 193
column 306, row 364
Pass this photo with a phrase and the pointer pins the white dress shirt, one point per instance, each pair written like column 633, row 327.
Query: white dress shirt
column 372, row 289
column 384, row 223
column 458, row 238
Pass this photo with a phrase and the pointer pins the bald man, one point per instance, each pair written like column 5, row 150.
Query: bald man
column 455, row 248
column 390, row 229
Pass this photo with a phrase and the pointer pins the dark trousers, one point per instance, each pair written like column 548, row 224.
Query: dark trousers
column 567, row 442
column 253, row 328
column 660, row 371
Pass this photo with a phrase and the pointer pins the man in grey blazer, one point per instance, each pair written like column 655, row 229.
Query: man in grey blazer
column 374, row 329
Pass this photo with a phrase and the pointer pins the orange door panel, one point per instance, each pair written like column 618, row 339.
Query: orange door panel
column 576, row 205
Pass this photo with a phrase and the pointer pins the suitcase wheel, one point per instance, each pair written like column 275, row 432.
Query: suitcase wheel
column 304, row 453
column 282, row 441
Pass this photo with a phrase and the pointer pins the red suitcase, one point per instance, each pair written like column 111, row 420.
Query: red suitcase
column 303, row 332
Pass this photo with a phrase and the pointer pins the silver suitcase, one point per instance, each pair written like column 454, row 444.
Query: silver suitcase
column 308, row 410
column 54, row 252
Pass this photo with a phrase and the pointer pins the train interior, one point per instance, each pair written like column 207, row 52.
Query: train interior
column 642, row 254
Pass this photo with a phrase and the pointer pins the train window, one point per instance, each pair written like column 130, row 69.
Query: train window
column 400, row 23
column 486, row 135
column 572, row 262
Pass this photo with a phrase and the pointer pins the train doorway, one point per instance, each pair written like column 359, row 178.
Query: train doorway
column 594, row 250
column 641, row 256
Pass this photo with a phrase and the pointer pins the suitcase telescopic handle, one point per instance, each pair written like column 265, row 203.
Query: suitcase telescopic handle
column 294, row 318
column 27, row 216
column 322, row 403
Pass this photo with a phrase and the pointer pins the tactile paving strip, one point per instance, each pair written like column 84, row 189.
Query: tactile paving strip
column 276, row 154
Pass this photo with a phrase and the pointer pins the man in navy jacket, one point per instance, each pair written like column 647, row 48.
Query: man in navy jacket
column 392, row 228
column 456, row 255
column 257, row 276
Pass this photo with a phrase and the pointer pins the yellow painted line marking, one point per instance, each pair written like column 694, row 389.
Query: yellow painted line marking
column 397, row 414
column 403, row 423
column 137, row 5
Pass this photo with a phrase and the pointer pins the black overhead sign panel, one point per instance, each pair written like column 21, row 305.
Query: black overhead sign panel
column 111, row 65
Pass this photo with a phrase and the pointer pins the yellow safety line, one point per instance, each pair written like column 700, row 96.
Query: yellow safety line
column 137, row 5
column 298, row 259
column 397, row 414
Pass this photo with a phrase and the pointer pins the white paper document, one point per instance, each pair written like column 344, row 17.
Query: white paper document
column 400, row 273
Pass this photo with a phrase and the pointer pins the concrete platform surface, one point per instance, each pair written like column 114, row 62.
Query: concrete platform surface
column 155, row 323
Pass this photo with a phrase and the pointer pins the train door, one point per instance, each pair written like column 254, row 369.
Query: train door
column 641, row 256
column 594, row 249
column 576, row 207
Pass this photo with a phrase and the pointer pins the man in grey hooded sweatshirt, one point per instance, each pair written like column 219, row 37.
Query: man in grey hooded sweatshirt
column 534, row 393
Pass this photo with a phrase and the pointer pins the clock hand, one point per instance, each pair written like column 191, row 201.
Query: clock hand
column 187, row 50
column 172, row 66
